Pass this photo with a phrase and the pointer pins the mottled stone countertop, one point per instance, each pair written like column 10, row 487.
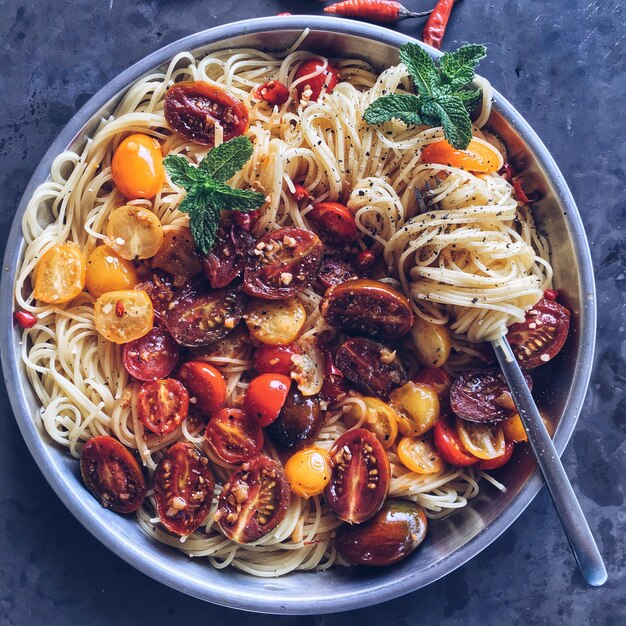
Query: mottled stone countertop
column 562, row 64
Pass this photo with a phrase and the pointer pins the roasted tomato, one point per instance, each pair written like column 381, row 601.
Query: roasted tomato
column 432, row 342
column 479, row 156
column 276, row 359
column 265, row 397
column 123, row 316
column 106, row 271
column 333, row 222
column 482, row 396
column 285, row 262
column 418, row 455
column 192, row 110
column 308, row 367
column 299, row 421
column 361, row 476
column 317, row 78
column 417, row 406
column 234, row 346
column 228, row 256
column 542, row 334
column 134, row 232
column 273, row 92
column 233, row 436
column 253, row 501
column 162, row 405
column 60, row 274
column 112, row 474
column 335, row 270
column 152, row 356
column 206, row 385
column 499, row 461
column 183, row 488
column 308, row 471
column 368, row 307
column 372, row 367
column 390, row 536
column 158, row 286
column 450, row 447
column 198, row 315
column 485, row 441
column 436, row 378
column 177, row 254
column 379, row 418
column 275, row 323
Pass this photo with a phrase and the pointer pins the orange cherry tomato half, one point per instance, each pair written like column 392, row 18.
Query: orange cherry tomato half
column 499, row 461
column 162, row 405
column 266, row 396
column 333, row 222
column 234, row 436
column 106, row 271
column 205, row 383
column 137, row 167
column 323, row 79
column 449, row 445
column 60, row 275
column 276, row 359
column 479, row 156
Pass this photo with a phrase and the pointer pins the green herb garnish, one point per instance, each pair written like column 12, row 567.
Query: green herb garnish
column 207, row 191
column 444, row 96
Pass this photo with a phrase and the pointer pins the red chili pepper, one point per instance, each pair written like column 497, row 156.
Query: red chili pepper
column 25, row 319
column 550, row 294
column 273, row 92
column 519, row 192
column 119, row 308
column 435, row 27
column 364, row 260
column 301, row 193
column 384, row 11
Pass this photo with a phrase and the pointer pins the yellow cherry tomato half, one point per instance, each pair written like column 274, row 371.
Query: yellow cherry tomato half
column 486, row 441
column 419, row 456
column 106, row 271
column 431, row 341
column 275, row 322
column 479, row 156
column 134, row 232
column 137, row 167
column 122, row 316
column 308, row 471
column 60, row 274
column 514, row 429
column 380, row 419
column 417, row 407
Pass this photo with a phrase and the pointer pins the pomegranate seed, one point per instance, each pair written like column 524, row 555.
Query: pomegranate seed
column 119, row 308
column 25, row 319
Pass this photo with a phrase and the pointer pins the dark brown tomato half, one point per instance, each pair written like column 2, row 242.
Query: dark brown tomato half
column 183, row 488
column 541, row 336
column 367, row 307
column 152, row 356
column 335, row 270
column 233, row 436
column 160, row 289
column 361, row 476
column 227, row 258
column 390, row 536
column 482, row 396
column 285, row 261
column 235, row 345
column 177, row 255
column 162, row 405
column 298, row 423
column 193, row 108
column 254, row 500
column 198, row 315
column 372, row 367
column 112, row 474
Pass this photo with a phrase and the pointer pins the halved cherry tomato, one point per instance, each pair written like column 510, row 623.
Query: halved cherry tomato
column 122, row 316
column 228, row 256
column 449, row 445
column 417, row 406
column 276, row 359
column 205, row 383
column 541, row 336
column 234, row 346
column 513, row 429
column 112, row 474
column 183, row 488
column 322, row 79
column 335, row 270
column 234, row 436
column 192, row 110
column 485, row 441
column 137, row 167
column 308, row 367
column 308, row 471
column 265, row 397
column 158, row 286
column 276, row 323
column 380, row 419
column 361, row 476
column 499, row 461
column 431, row 341
column 479, row 156
column 273, row 92
column 254, row 500
column 60, row 274
column 152, row 356
column 177, row 254
column 368, row 307
column 106, row 271
column 437, row 378
column 285, row 262
column 162, row 405
column 198, row 315
column 418, row 455
column 333, row 222
column 298, row 423
column 134, row 232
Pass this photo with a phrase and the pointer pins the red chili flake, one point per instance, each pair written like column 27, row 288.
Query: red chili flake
column 550, row 294
column 119, row 308
column 301, row 193
column 519, row 192
column 25, row 319
column 364, row 260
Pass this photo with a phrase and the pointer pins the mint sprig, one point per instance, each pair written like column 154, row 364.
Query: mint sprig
column 444, row 94
column 207, row 191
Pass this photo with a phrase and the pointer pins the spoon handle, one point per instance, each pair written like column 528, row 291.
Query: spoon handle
column 572, row 517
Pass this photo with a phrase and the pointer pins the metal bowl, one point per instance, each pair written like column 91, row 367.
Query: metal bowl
column 451, row 542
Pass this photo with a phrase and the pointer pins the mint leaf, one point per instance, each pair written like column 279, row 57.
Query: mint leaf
column 195, row 199
column 223, row 196
column 403, row 107
column 223, row 162
column 181, row 172
column 421, row 67
column 457, row 68
column 457, row 126
column 471, row 98
column 203, row 224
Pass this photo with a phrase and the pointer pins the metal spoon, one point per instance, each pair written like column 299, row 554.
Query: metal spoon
column 572, row 517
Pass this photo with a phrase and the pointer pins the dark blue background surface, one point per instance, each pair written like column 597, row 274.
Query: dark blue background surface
column 561, row 63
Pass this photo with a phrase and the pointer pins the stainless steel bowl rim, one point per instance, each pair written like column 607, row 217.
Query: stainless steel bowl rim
column 156, row 565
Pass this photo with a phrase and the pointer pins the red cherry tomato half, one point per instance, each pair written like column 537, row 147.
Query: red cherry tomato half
column 276, row 359
column 499, row 461
column 233, row 436
column 228, row 256
column 318, row 78
column 112, row 474
column 265, row 397
column 162, row 405
column 193, row 108
column 205, row 383
column 273, row 92
column 361, row 476
column 152, row 356
column 449, row 445
column 159, row 287
column 333, row 222
column 183, row 488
